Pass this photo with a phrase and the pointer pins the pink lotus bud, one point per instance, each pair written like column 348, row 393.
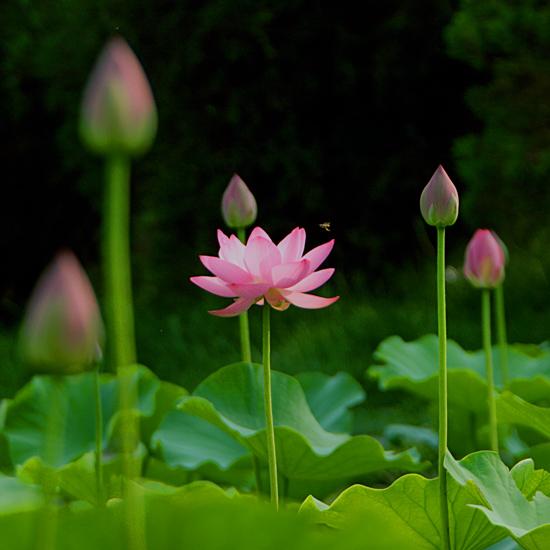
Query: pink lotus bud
column 62, row 330
column 118, row 112
column 484, row 262
column 502, row 246
column 439, row 200
column 239, row 207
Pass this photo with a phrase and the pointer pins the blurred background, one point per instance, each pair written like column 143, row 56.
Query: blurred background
column 330, row 113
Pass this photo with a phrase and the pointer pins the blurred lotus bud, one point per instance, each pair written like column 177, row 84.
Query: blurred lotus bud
column 484, row 262
column 118, row 113
column 503, row 247
column 62, row 330
column 239, row 207
column 439, row 200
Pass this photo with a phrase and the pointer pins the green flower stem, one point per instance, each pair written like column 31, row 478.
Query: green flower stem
column 118, row 294
column 244, row 330
column 442, row 331
column 120, row 331
column 98, row 438
column 56, row 426
column 268, row 408
column 486, row 330
column 116, row 251
column 501, row 331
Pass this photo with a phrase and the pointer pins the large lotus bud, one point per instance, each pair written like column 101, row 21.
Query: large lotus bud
column 484, row 262
column 239, row 207
column 62, row 330
column 439, row 200
column 118, row 112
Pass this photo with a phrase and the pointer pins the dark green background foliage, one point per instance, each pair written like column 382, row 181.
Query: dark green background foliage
column 329, row 112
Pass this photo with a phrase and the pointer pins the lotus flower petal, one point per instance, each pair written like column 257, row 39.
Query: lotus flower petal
column 285, row 275
column 251, row 290
column 307, row 301
column 236, row 308
column 292, row 246
column 318, row 255
column 232, row 250
column 215, row 286
column 313, row 280
column 225, row 270
column 258, row 232
column 260, row 256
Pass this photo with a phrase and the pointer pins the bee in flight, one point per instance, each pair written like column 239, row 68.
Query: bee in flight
column 325, row 226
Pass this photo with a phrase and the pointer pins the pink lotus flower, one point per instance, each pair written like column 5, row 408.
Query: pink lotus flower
column 262, row 270
column 484, row 262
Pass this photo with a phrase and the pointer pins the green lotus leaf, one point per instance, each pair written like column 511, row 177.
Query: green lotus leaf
column 406, row 515
column 18, row 497
column 511, row 409
column 53, row 417
column 77, row 479
column 188, row 442
column 232, row 399
column 330, row 398
column 525, row 517
column 413, row 366
column 197, row 516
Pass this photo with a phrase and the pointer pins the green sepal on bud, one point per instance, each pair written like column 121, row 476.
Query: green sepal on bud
column 239, row 206
column 118, row 113
column 62, row 330
column 439, row 200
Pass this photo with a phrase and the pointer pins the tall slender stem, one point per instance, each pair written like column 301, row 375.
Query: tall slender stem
column 98, row 438
column 501, row 331
column 120, row 332
column 486, row 330
column 442, row 332
column 246, row 353
column 270, row 431
column 116, row 252
column 118, row 293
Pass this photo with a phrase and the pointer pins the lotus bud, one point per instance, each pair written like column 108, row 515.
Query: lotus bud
column 62, row 329
column 484, row 262
column 118, row 113
column 439, row 200
column 503, row 247
column 239, row 207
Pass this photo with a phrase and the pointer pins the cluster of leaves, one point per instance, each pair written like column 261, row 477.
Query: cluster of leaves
column 200, row 451
column 47, row 440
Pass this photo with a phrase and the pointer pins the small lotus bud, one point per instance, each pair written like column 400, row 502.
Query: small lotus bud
column 62, row 330
column 118, row 112
column 484, row 262
column 239, row 207
column 439, row 200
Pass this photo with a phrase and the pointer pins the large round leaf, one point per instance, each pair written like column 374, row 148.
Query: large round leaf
column 54, row 417
column 330, row 398
column 524, row 515
column 413, row 366
column 406, row 515
column 232, row 399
